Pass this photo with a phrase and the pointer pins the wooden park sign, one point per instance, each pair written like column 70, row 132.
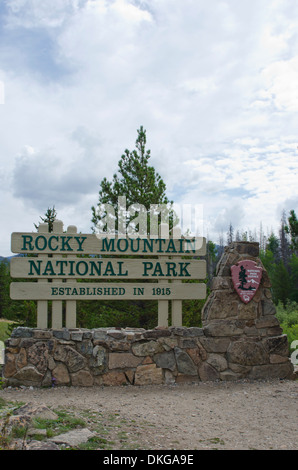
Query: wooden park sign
column 57, row 260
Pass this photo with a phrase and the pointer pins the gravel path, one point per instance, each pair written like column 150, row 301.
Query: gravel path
column 221, row 415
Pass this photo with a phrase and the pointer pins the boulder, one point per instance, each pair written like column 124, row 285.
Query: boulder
column 185, row 364
column 247, row 353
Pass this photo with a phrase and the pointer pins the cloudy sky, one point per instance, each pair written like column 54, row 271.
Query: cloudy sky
column 214, row 83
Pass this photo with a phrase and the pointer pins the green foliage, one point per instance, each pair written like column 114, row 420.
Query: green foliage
column 21, row 312
column 49, row 218
column 104, row 314
column 4, row 330
column 292, row 229
column 64, row 423
column 288, row 318
column 136, row 180
column 287, row 314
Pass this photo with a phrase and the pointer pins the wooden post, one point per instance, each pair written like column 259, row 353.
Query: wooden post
column 42, row 305
column 176, row 304
column 71, row 305
column 163, row 305
column 57, row 304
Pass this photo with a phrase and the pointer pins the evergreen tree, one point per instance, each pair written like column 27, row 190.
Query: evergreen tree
column 230, row 234
column 49, row 218
column 211, row 261
column 136, row 180
column 140, row 184
column 292, row 229
column 284, row 241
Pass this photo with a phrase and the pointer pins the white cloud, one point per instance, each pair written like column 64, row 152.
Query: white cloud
column 214, row 84
column 281, row 80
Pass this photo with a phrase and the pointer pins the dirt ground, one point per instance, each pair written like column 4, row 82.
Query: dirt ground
column 214, row 415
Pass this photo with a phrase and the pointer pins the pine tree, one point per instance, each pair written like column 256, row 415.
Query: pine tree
column 136, row 180
column 292, row 229
column 140, row 184
column 230, row 234
column 49, row 218
column 284, row 241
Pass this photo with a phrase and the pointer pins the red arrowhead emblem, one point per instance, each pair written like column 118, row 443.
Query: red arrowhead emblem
column 246, row 277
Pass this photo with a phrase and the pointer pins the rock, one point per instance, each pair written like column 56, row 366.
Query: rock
column 169, row 377
column 271, row 371
column 73, row 360
column 248, row 311
column 29, row 375
column 184, row 363
column 98, row 359
column 116, row 334
column 221, row 282
column 61, row 375
column 183, row 331
column 47, row 380
column 130, row 375
column 85, row 347
column 114, row 378
column 157, row 333
column 22, row 332
column 41, row 445
column 226, row 308
column 148, row 374
column 34, row 432
column 36, row 411
column 208, row 373
column 168, row 343
column 41, row 334
column 197, row 355
column 217, row 361
column 247, row 353
column 10, row 365
column 100, row 335
column 166, row 360
column 22, row 358
column 82, row 378
column 119, row 346
column 239, row 369
column 76, row 335
column 62, row 334
column 267, row 322
column 228, row 375
column 268, row 307
column 21, row 421
column 277, row 359
column 277, row 345
column 224, row 328
column 248, row 248
column 38, row 356
column 147, row 360
column 217, row 345
column 73, row 438
column 186, row 379
column 123, row 360
column 147, row 348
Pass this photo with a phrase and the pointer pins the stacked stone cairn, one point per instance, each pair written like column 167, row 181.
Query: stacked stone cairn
column 237, row 341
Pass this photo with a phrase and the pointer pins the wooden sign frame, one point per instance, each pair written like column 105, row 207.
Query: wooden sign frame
column 58, row 259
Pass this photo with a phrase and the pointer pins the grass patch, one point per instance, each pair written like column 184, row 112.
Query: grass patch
column 64, row 423
column 4, row 330
column 2, row 403
column 95, row 443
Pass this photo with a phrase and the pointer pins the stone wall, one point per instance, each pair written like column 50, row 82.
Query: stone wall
column 236, row 341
